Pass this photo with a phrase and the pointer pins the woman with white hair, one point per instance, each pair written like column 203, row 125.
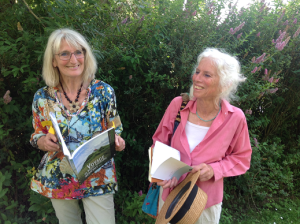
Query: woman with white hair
column 83, row 107
column 212, row 135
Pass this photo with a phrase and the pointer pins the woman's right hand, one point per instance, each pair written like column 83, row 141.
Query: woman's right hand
column 168, row 183
column 48, row 143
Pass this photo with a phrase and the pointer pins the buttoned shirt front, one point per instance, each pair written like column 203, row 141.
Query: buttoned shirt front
column 226, row 146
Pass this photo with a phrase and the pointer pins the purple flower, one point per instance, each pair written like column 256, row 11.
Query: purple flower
column 280, row 38
column 239, row 36
column 254, row 70
column 262, row 8
column 194, row 13
column 276, row 80
column 295, row 21
column 281, row 45
column 134, row 140
column 209, row 12
column 266, row 71
column 248, row 111
column 296, row 33
column 286, row 23
column 140, row 193
column 271, row 80
column 142, row 19
column 260, row 58
column 6, row 97
column 281, row 16
column 255, row 142
column 130, row 77
column 233, row 31
column 273, row 90
column 124, row 21
column 273, row 41
column 258, row 34
column 253, row 60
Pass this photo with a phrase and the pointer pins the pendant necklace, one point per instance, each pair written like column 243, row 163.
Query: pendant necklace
column 210, row 119
column 73, row 105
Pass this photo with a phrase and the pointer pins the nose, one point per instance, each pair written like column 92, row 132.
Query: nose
column 197, row 77
column 73, row 58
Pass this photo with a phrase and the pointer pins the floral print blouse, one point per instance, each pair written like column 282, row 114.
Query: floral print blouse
column 54, row 177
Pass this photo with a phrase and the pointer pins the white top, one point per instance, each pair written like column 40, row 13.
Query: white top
column 195, row 134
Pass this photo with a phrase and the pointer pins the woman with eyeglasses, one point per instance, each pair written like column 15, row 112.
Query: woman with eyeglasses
column 83, row 107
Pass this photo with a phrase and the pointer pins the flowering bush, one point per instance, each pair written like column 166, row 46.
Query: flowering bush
column 146, row 50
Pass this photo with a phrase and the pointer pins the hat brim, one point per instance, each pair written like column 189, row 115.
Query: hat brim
column 188, row 194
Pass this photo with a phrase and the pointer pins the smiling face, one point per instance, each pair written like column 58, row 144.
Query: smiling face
column 206, row 81
column 72, row 68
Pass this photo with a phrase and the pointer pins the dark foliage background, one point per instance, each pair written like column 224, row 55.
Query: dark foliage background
column 146, row 50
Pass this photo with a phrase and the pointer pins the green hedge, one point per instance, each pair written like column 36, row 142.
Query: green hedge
column 146, row 50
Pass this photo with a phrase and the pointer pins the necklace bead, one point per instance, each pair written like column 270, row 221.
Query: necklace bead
column 210, row 119
column 74, row 105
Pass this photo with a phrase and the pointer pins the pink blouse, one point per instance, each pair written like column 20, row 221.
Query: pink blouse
column 226, row 146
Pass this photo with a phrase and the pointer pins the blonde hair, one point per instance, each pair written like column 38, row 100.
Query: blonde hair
column 228, row 69
column 74, row 39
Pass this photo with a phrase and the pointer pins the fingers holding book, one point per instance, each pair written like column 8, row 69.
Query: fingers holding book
column 48, row 143
column 206, row 171
column 168, row 183
column 120, row 143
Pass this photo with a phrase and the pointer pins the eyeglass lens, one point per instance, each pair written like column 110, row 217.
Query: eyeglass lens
column 66, row 55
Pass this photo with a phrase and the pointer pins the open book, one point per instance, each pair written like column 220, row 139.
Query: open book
column 91, row 155
column 165, row 163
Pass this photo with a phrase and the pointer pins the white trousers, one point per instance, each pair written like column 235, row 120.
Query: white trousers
column 98, row 210
column 210, row 215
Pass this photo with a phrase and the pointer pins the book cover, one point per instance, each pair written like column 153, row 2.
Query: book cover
column 91, row 155
column 165, row 163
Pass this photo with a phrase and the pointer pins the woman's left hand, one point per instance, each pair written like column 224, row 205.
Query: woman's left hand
column 120, row 143
column 206, row 171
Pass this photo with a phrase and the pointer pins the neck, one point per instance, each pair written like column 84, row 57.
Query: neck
column 71, row 85
column 207, row 107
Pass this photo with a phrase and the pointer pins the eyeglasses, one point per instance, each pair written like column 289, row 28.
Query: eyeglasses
column 66, row 55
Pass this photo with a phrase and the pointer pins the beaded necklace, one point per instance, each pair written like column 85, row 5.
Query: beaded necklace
column 73, row 105
column 210, row 119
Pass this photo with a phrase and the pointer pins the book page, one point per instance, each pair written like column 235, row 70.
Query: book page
column 161, row 153
column 171, row 168
column 59, row 136
column 94, row 153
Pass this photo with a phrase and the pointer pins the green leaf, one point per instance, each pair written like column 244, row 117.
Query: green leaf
column 3, row 192
column 4, row 217
column 13, row 205
column 296, row 71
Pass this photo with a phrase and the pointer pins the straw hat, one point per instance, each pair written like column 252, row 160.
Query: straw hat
column 184, row 204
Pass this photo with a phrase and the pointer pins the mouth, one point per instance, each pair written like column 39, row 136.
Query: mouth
column 76, row 66
column 198, row 87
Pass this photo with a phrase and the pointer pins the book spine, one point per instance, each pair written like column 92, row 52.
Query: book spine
column 72, row 165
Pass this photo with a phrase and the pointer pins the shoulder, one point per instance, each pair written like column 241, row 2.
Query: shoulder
column 177, row 101
column 98, row 85
column 238, row 112
column 237, row 115
column 43, row 93
column 175, row 104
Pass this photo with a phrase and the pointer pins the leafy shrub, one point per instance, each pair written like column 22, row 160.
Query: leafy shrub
column 146, row 50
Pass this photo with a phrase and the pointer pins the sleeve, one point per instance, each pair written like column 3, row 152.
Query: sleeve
column 112, row 115
column 39, row 130
column 164, row 130
column 238, row 156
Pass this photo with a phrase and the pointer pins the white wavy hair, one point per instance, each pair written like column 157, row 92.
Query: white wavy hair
column 74, row 39
column 228, row 69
